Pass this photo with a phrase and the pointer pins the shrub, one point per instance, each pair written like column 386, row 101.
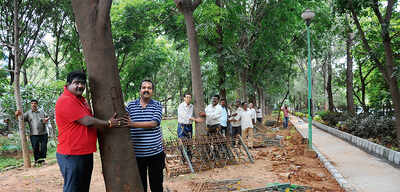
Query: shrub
column 299, row 114
column 376, row 126
column 317, row 118
column 331, row 118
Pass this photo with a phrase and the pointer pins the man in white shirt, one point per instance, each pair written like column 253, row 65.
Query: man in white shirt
column 259, row 115
column 213, row 116
column 185, row 118
column 247, row 125
column 235, row 120
column 224, row 117
column 253, row 113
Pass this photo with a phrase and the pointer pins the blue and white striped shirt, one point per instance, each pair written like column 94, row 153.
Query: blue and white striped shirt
column 146, row 141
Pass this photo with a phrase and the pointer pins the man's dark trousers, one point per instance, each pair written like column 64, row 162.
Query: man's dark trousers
column 154, row 166
column 76, row 171
column 39, row 146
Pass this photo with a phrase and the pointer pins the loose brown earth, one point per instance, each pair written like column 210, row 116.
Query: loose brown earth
column 287, row 164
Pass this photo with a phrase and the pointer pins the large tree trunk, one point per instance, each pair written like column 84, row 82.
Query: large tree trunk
column 324, row 74
column 329, row 83
column 17, row 91
column 349, row 73
column 11, row 65
column 186, row 7
column 220, row 59
column 118, row 158
column 243, row 80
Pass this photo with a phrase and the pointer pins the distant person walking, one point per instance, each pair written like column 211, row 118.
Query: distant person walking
column 38, row 133
column 253, row 113
column 286, row 116
column 247, row 125
column 259, row 115
column 253, row 116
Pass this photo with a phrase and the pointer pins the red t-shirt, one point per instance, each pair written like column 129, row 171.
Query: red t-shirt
column 74, row 138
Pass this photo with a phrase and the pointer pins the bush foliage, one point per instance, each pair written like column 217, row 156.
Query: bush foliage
column 380, row 129
column 331, row 118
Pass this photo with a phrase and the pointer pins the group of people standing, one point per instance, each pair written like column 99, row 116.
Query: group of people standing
column 77, row 130
column 220, row 119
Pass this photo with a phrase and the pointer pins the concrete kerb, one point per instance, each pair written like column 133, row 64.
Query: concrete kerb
column 332, row 170
column 393, row 157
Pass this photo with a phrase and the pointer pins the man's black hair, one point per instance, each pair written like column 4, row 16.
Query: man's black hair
column 187, row 93
column 244, row 103
column 217, row 96
column 222, row 99
column 75, row 75
column 147, row 80
column 34, row 100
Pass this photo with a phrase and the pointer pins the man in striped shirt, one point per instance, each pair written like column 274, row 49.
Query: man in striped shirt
column 145, row 118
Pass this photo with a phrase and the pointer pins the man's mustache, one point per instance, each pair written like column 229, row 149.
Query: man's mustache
column 80, row 89
column 146, row 92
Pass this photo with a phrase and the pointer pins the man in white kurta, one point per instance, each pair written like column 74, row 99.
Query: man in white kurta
column 213, row 116
column 247, row 125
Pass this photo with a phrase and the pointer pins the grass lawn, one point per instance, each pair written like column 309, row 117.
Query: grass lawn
column 169, row 128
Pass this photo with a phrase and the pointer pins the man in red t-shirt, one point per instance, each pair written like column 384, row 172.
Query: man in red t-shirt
column 77, row 134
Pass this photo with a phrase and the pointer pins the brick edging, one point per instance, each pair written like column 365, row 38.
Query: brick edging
column 367, row 146
column 332, row 170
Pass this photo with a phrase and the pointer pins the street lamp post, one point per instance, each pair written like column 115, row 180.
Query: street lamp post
column 308, row 15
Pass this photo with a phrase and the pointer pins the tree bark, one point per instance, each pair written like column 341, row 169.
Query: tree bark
column 220, row 59
column 118, row 158
column 17, row 91
column 244, row 85
column 11, row 65
column 186, row 7
column 349, row 72
column 324, row 74
column 329, row 83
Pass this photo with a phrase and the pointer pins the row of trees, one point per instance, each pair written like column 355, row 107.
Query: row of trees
column 253, row 50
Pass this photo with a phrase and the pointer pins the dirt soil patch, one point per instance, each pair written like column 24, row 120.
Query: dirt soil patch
column 290, row 163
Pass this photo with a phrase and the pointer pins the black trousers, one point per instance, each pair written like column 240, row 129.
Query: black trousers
column 39, row 146
column 213, row 130
column 236, row 131
column 153, row 166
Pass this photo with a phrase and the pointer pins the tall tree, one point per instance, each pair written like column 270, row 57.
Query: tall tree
column 59, row 19
column 187, row 7
column 17, row 91
column 349, row 69
column 118, row 159
column 386, row 67
column 331, row 106
column 20, row 28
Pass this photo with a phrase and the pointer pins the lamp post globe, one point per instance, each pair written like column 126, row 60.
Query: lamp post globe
column 308, row 15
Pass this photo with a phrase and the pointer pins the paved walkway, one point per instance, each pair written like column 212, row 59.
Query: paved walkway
column 364, row 172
